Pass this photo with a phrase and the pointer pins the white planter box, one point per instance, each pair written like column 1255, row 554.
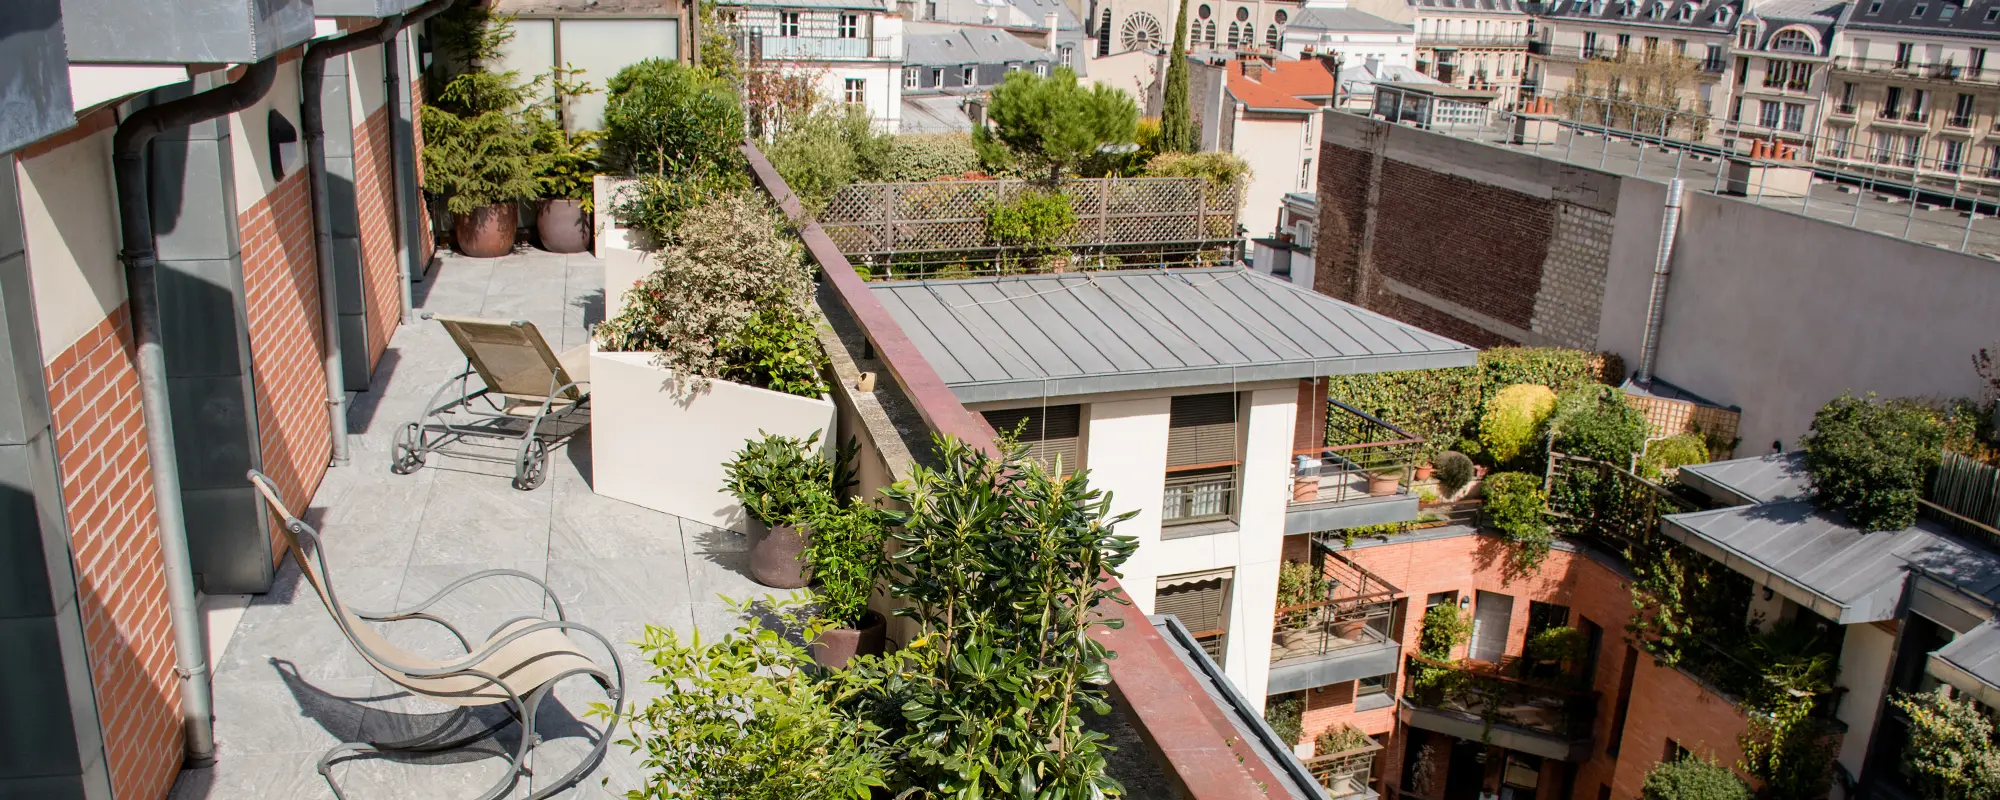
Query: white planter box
column 606, row 192
column 651, row 447
column 622, row 270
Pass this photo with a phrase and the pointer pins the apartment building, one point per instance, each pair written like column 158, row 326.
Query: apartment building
column 1048, row 24
column 1782, row 50
column 1334, row 28
column 1474, row 44
column 965, row 61
column 1268, row 114
column 852, row 49
column 149, row 374
column 1189, row 395
column 1126, row 25
column 1911, row 95
column 1658, row 53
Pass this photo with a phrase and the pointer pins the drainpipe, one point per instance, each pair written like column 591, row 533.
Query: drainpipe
column 403, row 154
column 1656, row 307
column 141, row 283
column 312, row 117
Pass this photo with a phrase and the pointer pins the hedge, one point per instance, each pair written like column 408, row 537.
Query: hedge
column 1443, row 405
column 928, row 156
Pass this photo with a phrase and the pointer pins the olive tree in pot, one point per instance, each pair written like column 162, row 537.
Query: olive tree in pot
column 845, row 555
column 479, row 153
column 776, row 479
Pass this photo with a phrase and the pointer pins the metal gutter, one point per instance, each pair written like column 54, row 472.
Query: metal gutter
column 141, row 281
column 403, row 156
column 312, row 118
column 1656, row 305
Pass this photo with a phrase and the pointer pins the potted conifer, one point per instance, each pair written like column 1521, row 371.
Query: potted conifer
column 479, row 153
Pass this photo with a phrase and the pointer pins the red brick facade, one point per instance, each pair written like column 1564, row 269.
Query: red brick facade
column 1665, row 704
column 100, row 436
column 375, row 205
column 281, row 289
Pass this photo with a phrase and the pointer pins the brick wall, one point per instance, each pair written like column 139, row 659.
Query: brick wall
column 108, row 495
column 281, row 289
column 1665, row 703
column 375, row 204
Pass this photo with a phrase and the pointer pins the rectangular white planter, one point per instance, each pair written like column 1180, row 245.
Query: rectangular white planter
column 606, row 192
column 652, row 447
column 622, row 270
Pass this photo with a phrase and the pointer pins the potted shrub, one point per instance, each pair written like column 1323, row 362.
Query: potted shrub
column 1454, row 473
column 478, row 153
column 1299, row 583
column 716, row 347
column 568, row 170
column 1384, row 483
column 779, row 480
column 845, row 555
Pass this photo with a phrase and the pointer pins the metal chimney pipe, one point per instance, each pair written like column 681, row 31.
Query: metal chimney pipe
column 1656, row 306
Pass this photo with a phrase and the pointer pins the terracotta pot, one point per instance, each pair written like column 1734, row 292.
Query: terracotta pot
column 1350, row 628
column 563, row 226
column 1305, row 490
column 1381, row 484
column 836, row 646
column 776, row 556
column 487, row 232
column 1424, row 472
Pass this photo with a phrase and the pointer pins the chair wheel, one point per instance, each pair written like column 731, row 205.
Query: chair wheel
column 534, row 466
column 405, row 456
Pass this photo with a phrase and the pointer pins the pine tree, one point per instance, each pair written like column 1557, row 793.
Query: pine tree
column 1053, row 122
column 1176, row 121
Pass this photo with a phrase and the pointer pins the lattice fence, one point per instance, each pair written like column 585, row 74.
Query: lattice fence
column 888, row 219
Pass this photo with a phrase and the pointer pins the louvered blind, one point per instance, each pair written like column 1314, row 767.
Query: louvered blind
column 1202, row 606
column 1202, row 431
column 1051, row 433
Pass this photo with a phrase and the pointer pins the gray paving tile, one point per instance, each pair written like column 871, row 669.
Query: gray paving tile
column 284, row 776
column 462, row 495
column 462, row 540
column 466, row 772
column 644, row 582
column 308, row 645
column 727, row 575
column 287, row 715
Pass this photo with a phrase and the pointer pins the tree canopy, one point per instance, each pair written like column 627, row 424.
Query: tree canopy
column 1055, row 122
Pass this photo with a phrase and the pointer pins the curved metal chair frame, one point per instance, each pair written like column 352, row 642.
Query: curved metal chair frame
column 510, row 408
column 510, row 668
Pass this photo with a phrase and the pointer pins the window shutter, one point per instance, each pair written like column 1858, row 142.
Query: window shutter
column 1050, row 433
column 1202, row 606
column 1202, row 431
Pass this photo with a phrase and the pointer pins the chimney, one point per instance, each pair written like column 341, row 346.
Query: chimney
column 1374, row 65
column 1253, row 68
column 1049, row 22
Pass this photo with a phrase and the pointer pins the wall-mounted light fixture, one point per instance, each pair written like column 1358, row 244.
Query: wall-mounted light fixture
column 1464, row 602
column 284, row 141
column 1768, row 594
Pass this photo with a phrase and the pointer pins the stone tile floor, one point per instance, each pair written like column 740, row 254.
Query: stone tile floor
column 289, row 687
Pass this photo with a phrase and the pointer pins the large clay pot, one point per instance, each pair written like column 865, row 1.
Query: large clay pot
column 776, row 556
column 1424, row 472
column 487, row 232
column 1382, row 484
column 835, row 646
column 563, row 226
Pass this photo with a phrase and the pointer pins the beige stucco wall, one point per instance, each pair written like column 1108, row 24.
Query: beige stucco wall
column 249, row 137
column 92, row 84
column 1274, row 146
column 70, row 213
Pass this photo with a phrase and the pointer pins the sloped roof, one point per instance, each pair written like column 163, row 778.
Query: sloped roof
column 1345, row 19
column 1700, row 14
column 1772, row 478
column 1281, row 86
column 1969, row 20
column 1026, row 336
column 1508, row 7
column 969, row 46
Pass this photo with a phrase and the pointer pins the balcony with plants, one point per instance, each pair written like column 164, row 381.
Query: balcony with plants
column 1539, row 704
column 1333, row 623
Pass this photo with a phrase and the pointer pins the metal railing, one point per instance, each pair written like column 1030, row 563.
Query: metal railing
column 1595, row 500
column 1365, row 457
column 1472, row 40
column 1347, row 773
column 1201, row 497
column 1914, row 68
column 1883, row 185
column 759, row 44
column 1356, row 611
column 1483, row 692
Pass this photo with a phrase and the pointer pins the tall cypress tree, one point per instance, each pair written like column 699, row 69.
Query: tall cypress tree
column 1176, row 121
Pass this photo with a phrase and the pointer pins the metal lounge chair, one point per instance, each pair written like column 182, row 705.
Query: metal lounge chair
column 517, row 666
column 526, row 388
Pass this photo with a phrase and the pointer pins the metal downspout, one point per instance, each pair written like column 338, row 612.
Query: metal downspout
column 1656, row 306
column 141, row 281
column 312, row 118
column 403, row 154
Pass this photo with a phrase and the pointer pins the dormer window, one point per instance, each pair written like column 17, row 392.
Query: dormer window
column 1631, row 9
column 1792, row 40
column 1992, row 14
column 1946, row 12
column 1659, row 10
column 1875, row 8
column 1687, row 12
column 1722, row 16
column 1918, row 12
column 1746, row 36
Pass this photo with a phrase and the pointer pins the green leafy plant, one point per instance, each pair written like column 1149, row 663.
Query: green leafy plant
column 1679, row 598
column 781, row 479
column 1286, row 715
column 655, row 205
column 1221, row 170
column 1595, row 422
column 1513, row 420
column 1869, row 459
column 668, row 119
column 1950, row 751
column 1054, row 122
column 845, row 553
column 1693, row 778
column 1443, row 405
column 748, row 717
column 1560, row 644
column 1453, row 471
column 1665, row 457
column 1444, row 629
column 1000, row 564
column 1340, row 739
column 1176, row 119
column 1036, row 221
column 1300, row 583
column 568, row 164
column 928, row 156
column 478, row 147
column 730, row 300
column 1785, row 750
column 1517, row 508
column 821, row 152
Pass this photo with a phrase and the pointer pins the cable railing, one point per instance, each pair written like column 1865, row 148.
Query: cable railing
column 1355, row 612
column 1482, row 692
column 1366, row 457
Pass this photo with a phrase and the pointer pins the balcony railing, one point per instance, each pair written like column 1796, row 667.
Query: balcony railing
column 1347, row 773
column 1482, row 692
column 1904, row 117
column 764, row 44
column 1912, row 68
column 1355, row 612
column 1369, row 458
column 1844, row 109
column 1956, row 121
column 1201, row 497
column 1471, row 40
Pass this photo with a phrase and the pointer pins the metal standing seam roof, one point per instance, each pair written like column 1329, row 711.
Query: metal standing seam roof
column 1762, row 479
column 1028, row 336
column 1975, row 653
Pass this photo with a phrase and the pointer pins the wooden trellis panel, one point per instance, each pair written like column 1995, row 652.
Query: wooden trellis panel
column 889, row 218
